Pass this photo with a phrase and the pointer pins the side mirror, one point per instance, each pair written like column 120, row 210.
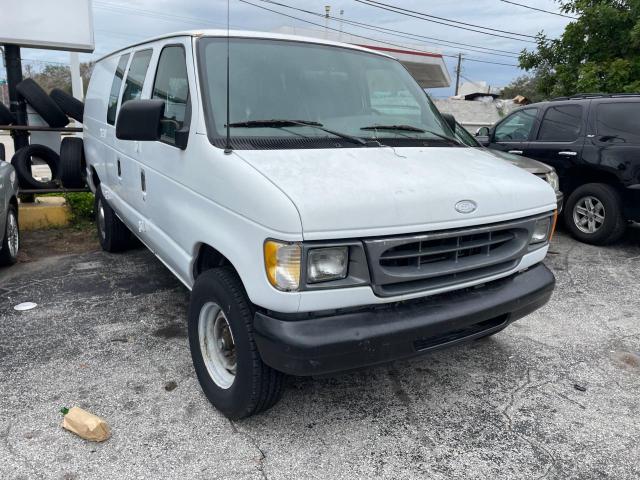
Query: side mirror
column 451, row 121
column 482, row 132
column 140, row 120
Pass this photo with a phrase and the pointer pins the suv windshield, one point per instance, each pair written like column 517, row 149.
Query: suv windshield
column 288, row 94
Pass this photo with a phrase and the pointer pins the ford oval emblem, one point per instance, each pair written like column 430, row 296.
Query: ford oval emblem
column 466, row 206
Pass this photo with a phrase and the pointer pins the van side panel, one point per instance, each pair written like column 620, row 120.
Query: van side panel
column 95, row 115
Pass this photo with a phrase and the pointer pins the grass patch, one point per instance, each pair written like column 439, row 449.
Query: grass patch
column 81, row 205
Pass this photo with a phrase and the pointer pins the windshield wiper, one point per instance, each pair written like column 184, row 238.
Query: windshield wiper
column 281, row 123
column 403, row 128
column 410, row 128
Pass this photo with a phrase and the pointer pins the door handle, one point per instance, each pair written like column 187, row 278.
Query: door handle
column 568, row 154
column 516, row 152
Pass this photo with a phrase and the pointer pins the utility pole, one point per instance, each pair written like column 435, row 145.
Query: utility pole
column 327, row 15
column 458, row 73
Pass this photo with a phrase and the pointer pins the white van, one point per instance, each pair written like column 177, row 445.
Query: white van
column 331, row 223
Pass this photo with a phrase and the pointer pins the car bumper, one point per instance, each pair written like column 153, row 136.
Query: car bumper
column 368, row 336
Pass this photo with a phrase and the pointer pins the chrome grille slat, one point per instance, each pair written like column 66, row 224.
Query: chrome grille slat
column 409, row 263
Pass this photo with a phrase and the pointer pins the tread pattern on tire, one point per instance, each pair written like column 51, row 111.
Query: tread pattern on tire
column 602, row 190
column 266, row 393
column 42, row 103
column 72, row 162
column 69, row 104
column 21, row 161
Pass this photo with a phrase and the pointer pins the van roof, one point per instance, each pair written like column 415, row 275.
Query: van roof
column 245, row 34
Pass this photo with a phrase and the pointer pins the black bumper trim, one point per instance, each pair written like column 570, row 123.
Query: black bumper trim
column 367, row 337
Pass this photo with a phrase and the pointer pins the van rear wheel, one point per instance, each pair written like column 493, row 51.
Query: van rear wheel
column 225, row 357
column 114, row 236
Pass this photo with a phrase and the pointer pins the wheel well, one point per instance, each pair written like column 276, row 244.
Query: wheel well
column 14, row 201
column 94, row 177
column 208, row 258
column 576, row 177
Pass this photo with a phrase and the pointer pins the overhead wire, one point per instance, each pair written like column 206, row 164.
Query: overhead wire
column 458, row 24
column 539, row 9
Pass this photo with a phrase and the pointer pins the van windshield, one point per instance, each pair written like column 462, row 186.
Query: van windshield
column 287, row 94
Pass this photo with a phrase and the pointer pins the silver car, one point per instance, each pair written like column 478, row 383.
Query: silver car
column 539, row 169
column 9, row 231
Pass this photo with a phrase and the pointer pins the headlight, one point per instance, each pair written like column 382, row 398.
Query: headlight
column 282, row 261
column 324, row 264
column 553, row 180
column 543, row 231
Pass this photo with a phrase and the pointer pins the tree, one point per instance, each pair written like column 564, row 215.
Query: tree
column 526, row 85
column 58, row 76
column 598, row 52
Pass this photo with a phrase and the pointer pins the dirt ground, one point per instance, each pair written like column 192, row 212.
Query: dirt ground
column 39, row 244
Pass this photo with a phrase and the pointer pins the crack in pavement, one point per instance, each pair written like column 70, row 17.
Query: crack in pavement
column 254, row 443
column 526, row 385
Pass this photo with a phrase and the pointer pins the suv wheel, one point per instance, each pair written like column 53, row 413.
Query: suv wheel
column 593, row 214
column 225, row 357
column 114, row 236
column 11, row 239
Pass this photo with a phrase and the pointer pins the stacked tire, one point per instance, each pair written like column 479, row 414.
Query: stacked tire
column 68, row 168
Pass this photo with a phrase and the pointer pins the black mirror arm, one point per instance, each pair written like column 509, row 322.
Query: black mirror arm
column 182, row 138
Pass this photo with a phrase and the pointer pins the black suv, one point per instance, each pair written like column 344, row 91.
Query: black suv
column 593, row 142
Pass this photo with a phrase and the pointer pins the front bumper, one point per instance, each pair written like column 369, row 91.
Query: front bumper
column 379, row 334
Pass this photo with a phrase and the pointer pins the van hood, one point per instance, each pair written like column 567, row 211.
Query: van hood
column 342, row 193
column 529, row 164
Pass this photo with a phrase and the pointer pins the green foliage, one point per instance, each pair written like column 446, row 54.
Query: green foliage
column 81, row 205
column 598, row 52
column 526, row 85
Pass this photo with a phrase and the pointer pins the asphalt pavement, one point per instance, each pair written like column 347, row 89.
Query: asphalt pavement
column 556, row 395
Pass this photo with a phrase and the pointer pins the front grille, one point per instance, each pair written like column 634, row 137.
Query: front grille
column 413, row 263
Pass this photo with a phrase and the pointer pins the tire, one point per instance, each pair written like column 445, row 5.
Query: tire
column 69, row 104
column 255, row 387
column 42, row 103
column 3, row 153
column 606, row 204
column 10, row 239
column 6, row 117
column 114, row 236
column 21, row 161
column 72, row 163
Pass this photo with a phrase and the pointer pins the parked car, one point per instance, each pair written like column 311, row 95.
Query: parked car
column 9, row 228
column 539, row 169
column 319, row 209
column 593, row 142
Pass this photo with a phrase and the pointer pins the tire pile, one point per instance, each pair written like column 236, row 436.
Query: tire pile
column 68, row 168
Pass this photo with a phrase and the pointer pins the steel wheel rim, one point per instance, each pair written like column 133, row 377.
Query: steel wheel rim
column 588, row 214
column 13, row 235
column 101, row 220
column 217, row 345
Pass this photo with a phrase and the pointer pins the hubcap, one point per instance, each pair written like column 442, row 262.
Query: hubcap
column 588, row 214
column 101, row 222
column 13, row 235
column 217, row 345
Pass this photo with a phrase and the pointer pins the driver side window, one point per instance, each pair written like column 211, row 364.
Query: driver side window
column 517, row 127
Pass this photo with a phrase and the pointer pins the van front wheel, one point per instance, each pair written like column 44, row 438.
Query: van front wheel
column 225, row 357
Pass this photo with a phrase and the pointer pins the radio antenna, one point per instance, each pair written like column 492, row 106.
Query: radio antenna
column 228, row 148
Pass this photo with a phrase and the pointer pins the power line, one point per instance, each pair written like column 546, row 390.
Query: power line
column 539, row 9
column 398, row 33
column 421, row 16
column 369, row 38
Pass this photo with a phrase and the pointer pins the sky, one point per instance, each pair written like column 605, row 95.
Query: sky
column 118, row 23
